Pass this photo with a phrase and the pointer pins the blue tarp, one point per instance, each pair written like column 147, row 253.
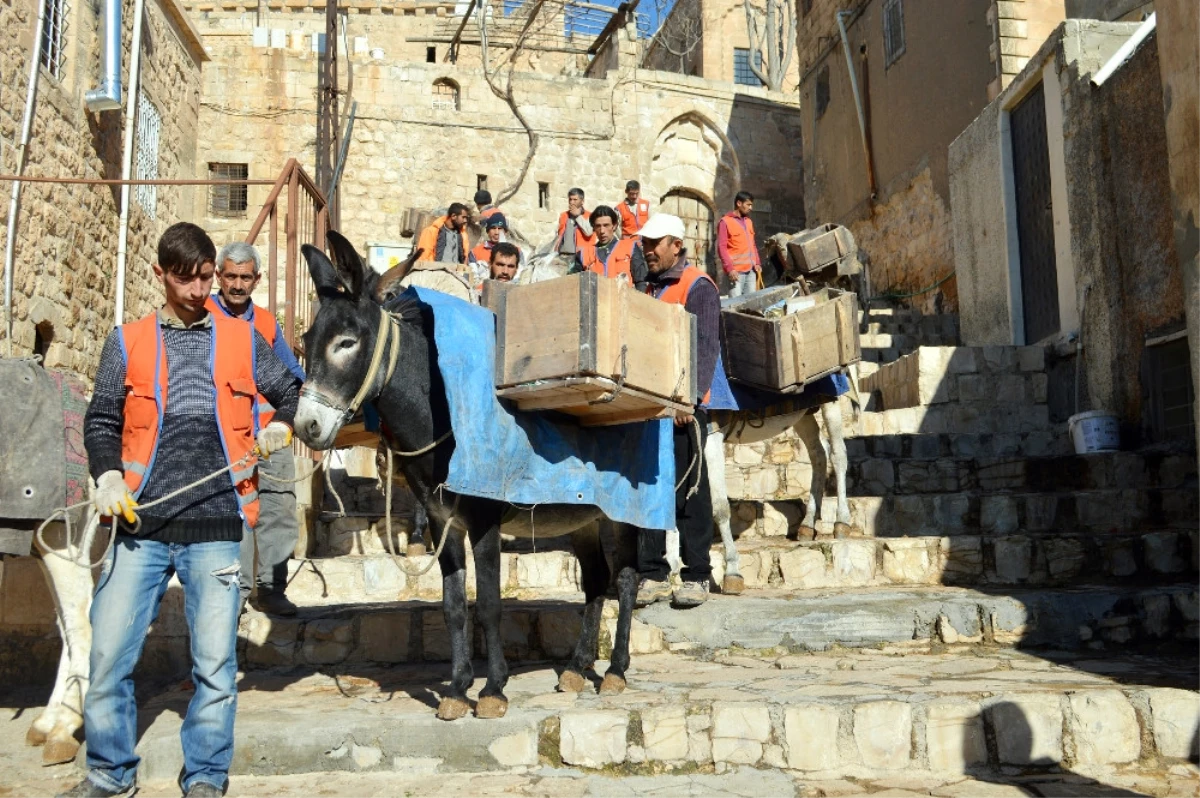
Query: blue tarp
column 628, row 470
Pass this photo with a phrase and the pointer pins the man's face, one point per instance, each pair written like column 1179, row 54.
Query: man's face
column 237, row 282
column 661, row 253
column 604, row 229
column 186, row 295
column 458, row 220
column 504, row 268
column 494, row 234
column 632, row 194
column 575, row 203
column 744, row 208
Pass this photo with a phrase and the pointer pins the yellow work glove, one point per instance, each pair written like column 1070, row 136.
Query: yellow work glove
column 111, row 496
column 272, row 438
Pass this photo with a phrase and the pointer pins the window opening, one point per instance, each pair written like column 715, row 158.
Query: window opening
column 1168, row 392
column 230, row 200
column 445, row 95
column 742, row 74
column 43, row 336
column 431, row 55
column 481, row 183
column 893, row 31
column 822, row 98
column 54, row 30
column 149, row 126
column 543, row 195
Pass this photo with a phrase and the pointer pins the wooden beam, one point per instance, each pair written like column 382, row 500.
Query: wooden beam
column 452, row 53
column 615, row 21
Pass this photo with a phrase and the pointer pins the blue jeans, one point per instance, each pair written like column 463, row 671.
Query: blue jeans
column 131, row 587
column 743, row 282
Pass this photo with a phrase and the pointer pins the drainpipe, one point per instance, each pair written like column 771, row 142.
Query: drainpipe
column 858, row 104
column 107, row 96
column 135, row 64
column 14, row 205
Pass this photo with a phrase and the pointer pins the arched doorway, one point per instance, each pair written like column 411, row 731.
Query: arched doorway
column 697, row 216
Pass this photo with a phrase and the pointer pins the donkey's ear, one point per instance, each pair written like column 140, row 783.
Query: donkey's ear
column 348, row 262
column 388, row 286
column 324, row 275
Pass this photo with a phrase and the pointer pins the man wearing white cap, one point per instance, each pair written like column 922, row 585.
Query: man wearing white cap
column 671, row 278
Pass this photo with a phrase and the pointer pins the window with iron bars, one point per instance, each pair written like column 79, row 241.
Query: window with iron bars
column 228, row 201
column 742, row 74
column 149, row 126
column 445, row 95
column 54, row 30
column 893, row 31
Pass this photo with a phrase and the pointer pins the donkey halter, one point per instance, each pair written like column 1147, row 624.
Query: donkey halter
column 386, row 341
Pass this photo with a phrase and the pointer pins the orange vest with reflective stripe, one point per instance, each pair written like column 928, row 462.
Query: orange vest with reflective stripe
column 677, row 294
column 429, row 238
column 580, row 238
column 482, row 253
column 146, row 399
column 264, row 323
column 633, row 218
column 617, row 265
column 742, row 250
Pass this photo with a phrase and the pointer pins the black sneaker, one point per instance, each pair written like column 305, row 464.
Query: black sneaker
column 202, row 789
column 273, row 602
column 90, row 789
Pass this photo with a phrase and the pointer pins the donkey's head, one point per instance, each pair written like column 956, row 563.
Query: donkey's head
column 340, row 344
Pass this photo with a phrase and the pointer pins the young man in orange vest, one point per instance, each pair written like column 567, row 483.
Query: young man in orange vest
column 494, row 228
column 483, row 204
column 174, row 402
column 574, row 230
column 736, row 247
column 672, row 279
column 275, row 535
column 610, row 256
column 445, row 241
column 634, row 210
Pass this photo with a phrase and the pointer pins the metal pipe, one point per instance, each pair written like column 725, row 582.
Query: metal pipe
column 14, row 205
column 107, row 96
column 1122, row 54
column 104, row 181
column 135, row 64
column 858, row 104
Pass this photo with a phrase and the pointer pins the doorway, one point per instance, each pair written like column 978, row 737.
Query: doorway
column 697, row 216
column 1035, row 216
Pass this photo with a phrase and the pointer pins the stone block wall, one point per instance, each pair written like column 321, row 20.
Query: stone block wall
column 67, row 234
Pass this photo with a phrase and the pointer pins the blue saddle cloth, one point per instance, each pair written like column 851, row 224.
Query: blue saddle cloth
column 627, row 470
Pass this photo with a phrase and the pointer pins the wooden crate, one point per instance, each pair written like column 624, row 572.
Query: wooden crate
column 783, row 354
column 815, row 249
column 572, row 340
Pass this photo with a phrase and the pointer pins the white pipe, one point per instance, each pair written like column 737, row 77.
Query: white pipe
column 107, row 96
column 858, row 103
column 1123, row 53
column 14, row 205
column 135, row 64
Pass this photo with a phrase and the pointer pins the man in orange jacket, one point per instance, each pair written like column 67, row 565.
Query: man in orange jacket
column 174, row 402
column 634, row 210
column 445, row 241
column 736, row 247
column 612, row 256
column 574, row 230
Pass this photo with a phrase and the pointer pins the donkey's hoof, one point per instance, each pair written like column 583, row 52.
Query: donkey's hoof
column 612, row 684
column 571, row 682
column 804, row 533
column 491, row 706
column 841, row 531
column 415, row 550
column 35, row 737
column 58, row 752
column 453, row 709
column 733, row 585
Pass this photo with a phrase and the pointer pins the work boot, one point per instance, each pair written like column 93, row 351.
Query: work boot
column 90, row 789
column 202, row 789
column 273, row 602
column 691, row 594
column 650, row 591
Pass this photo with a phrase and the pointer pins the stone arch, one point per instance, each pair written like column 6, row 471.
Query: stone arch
column 447, row 96
column 699, row 221
column 691, row 153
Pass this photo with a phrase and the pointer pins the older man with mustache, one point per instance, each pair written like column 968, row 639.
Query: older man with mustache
column 275, row 536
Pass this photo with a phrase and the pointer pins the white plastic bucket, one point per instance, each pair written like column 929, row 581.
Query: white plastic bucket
column 1095, row 431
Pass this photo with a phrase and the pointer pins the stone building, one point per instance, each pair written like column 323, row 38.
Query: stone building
column 1063, row 230
column 427, row 133
column 67, row 234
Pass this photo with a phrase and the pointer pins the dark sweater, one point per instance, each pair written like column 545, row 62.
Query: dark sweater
column 189, row 444
column 704, row 303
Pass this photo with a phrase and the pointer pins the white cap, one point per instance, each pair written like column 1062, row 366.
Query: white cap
column 660, row 225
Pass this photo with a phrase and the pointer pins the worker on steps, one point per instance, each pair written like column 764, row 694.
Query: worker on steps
column 574, row 230
column 634, row 210
column 736, row 247
column 610, row 256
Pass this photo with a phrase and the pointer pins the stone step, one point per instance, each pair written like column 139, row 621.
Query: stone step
column 1022, row 414
column 938, row 374
column 928, row 446
column 842, row 715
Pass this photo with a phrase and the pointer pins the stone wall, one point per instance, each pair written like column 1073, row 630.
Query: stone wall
column 67, row 234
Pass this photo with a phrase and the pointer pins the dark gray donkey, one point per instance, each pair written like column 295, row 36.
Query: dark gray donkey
column 355, row 353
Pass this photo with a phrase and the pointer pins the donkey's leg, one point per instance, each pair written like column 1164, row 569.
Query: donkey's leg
column 627, row 585
column 818, row 456
column 416, row 538
column 594, row 574
column 486, row 550
column 453, row 562
column 714, row 460
column 831, row 414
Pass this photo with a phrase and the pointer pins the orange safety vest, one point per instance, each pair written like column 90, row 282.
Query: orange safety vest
column 486, row 212
column 146, row 400
column 618, row 263
column 482, row 253
column 632, row 219
column 265, row 324
column 580, row 238
column 742, row 250
column 677, row 294
column 429, row 238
